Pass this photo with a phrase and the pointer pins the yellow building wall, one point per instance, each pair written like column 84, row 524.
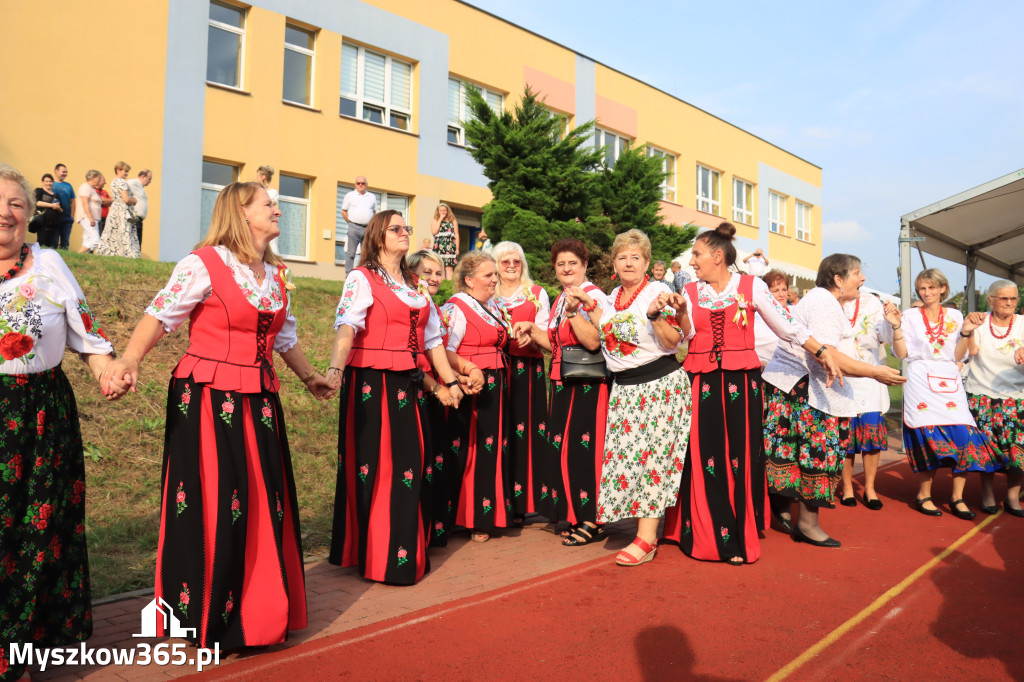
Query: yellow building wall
column 78, row 90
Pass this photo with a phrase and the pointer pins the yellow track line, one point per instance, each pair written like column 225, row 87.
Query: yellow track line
column 834, row 636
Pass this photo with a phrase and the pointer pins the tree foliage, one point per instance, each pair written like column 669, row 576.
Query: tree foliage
column 549, row 184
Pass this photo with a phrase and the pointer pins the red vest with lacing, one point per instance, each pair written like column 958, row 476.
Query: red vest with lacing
column 392, row 330
column 230, row 341
column 722, row 340
column 526, row 312
column 563, row 335
column 483, row 343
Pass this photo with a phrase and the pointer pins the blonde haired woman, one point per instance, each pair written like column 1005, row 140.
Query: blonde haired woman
column 445, row 230
column 229, row 555
column 119, row 235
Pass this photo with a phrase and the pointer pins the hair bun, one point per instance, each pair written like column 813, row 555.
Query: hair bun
column 726, row 230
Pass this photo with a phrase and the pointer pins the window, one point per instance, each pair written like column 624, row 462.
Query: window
column 803, row 221
column 293, row 201
column 613, row 145
column 375, row 87
column 668, row 166
column 385, row 202
column 777, row 209
column 742, row 202
column 459, row 110
column 708, row 188
column 299, row 44
column 216, row 176
column 225, row 43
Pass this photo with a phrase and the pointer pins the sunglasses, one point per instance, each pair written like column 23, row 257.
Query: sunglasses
column 399, row 229
column 507, row 263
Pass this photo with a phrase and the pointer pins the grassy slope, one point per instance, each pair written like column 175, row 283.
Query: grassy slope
column 124, row 440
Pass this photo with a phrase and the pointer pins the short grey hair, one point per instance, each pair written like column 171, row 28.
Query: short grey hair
column 994, row 288
column 659, row 262
column 90, row 174
column 502, row 249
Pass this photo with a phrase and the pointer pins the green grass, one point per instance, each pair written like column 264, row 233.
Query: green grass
column 124, row 440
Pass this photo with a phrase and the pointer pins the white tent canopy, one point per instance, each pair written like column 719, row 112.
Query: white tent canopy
column 982, row 228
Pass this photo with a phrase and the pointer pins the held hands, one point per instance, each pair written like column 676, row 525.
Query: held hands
column 661, row 302
column 972, row 322
column 576, row 297
column 889, row 376
column 474, row 381
column 449, row 397
column 892, row 314
column 521, row 331
column 119, row 377
column 320, row 386
column 334, row 378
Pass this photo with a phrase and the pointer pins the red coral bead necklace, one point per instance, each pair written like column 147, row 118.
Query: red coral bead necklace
column 992, row 329
column 856, row 311
column 13, row 272
column 618, row 299
column 936, row 333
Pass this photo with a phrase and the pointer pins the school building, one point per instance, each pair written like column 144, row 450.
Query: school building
column 204, row 91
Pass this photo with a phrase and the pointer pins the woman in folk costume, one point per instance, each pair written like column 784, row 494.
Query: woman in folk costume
column 478, row 335
column 527, row 386
column 938, row 428
column 387, row 327
column 229, row 557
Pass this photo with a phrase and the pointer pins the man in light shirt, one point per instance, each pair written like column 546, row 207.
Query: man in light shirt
column 757, row 263
column 357, row 208
column 138, row 190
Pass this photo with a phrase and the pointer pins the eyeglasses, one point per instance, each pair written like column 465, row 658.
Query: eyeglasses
column 360, row 183
column 510, row 263
column 1005, row 299
column 399, row 229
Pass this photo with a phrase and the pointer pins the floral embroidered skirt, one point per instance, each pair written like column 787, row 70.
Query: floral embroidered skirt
column 645, row 445
column 574, row 441
column 722, row 495
column 229, row 520
column 482, row 486
column 44, row 569
column 805, row 447
column 959, row 447
column 868, row 433
column 436, row 444
column 1002, row 421
column 527, row 396
column 383, row 504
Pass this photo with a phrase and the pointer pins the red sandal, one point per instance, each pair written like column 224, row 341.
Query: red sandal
column 625, row 559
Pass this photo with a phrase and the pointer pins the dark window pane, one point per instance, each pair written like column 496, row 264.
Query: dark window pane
column 348, row 107
column 297, row 76
column 299, row 37
column 373, row 114
column 292, row 186
column 400, row 121
column 225, row 14
column 453, row 135
column 223, row 48
column 219, row 173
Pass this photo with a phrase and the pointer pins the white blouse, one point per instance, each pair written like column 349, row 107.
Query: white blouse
column 776, row 317
column 542, row 303
column 868, row 324
column 42, row 312
column 993, row 371
column 941, row 345
column 190, row 285
column 455, row 318
column 820, row 313
column 627, row 336
column 357, row 297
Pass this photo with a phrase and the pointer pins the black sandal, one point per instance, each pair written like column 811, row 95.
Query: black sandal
column 583, row 534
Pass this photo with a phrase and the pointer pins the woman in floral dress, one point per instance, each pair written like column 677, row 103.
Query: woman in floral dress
column 388, row 335
column 44, row 569
column 478, row 334
column 445, row 228
column 524, row 301
column 649, row 406
column 995, row 389
column 806, row 431
column 574, row 429
column 229, row 555
column 120, row 237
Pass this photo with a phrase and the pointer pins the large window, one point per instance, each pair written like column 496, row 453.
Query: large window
column 375, row 87
column 742, row 202
column 777, row 212
column 299, row 46
column 293, row 201
column 709, row 187
column 225, row 44
column 386, row 201
column 668, row 166
column 216, row 176
column 613, row 145
column 459, row 109
column 803, row 221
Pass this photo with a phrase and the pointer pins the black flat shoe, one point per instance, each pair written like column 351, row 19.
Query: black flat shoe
column 848, row 501
column 782, row 525
column 990, row 509
column 798, row 536
column 965, row 515
column 873, row 505
column 919, row 504
column 1013, row 512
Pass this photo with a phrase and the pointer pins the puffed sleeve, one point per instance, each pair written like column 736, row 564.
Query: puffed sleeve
column 188, row 286
column 544, row 311
column 433, row 335
column 455, row 321
column 776, row 317
column 289, row 334
column 83, row 333
column 356, row 299
column 825, row 321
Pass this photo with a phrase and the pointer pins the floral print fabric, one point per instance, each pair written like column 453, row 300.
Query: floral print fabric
column 868, row 433
column 444, row 244
column 1002, row 422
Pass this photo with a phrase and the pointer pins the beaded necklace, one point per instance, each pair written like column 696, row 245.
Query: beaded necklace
column 856, row 311
column 618, row 298
column 13, row 272
column 935, row 334
column 992, row 329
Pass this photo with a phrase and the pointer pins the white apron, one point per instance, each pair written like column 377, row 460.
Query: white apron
column 935, row 395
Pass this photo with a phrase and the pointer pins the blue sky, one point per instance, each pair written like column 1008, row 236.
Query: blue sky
column 902, row 103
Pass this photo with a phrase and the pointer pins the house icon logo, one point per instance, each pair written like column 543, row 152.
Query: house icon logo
column 159, row 609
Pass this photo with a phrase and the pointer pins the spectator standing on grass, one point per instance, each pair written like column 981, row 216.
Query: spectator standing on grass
column 119, row 238
column 138, row 189
column 357, row 208
column 66, row 195
column 105, row 201
column 47, row 206
column 88, row 209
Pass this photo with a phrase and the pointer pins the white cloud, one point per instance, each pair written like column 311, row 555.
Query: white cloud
column 846, row 232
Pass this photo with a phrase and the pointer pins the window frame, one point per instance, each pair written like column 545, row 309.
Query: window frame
column 204, row 226
column 709, row 204
column 803, row 211
column 212, row 23
column 383, row 199
column 621, row 143
column 777, row 225
column 744, row 189
column 301, row 201
column 458, row 128
column 668, row 183
column 387, row 108
column 307, row 52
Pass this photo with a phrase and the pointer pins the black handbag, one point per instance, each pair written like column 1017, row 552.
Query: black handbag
column 580, row 364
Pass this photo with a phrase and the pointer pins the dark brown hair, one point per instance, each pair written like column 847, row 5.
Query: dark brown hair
column 573, row 246
column 373, row 246
column 836, row 265
column 721, row 239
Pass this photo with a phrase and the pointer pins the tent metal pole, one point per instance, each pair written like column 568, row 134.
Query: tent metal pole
column 971, row 297
column 905, row 280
